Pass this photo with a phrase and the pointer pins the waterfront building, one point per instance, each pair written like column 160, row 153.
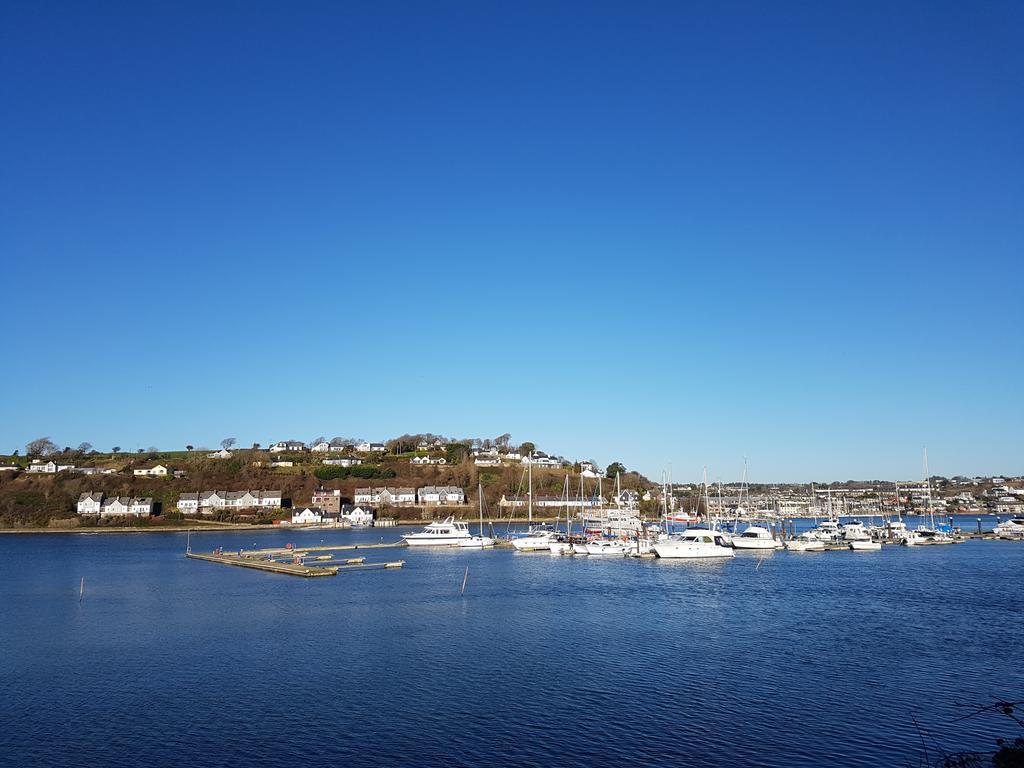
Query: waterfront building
column 385, row 496
column 355, row 515
column 141, row 507
column 307, row 516
column 209, row 501
column 188, row 503
column 441, row 495
column 89, row 503
column 327, row 499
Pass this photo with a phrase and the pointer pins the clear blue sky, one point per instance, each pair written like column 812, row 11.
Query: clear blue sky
column 661, row 233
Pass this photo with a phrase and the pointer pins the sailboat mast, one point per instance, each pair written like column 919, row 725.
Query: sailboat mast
column 928, row 491
column 529, row 492
column 480, row 493
column 707, row 501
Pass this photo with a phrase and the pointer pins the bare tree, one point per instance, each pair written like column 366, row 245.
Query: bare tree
column 227, row 443
column 84, row 447
column 42, row 446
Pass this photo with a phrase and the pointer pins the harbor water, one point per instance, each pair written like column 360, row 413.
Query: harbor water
column 777, row 659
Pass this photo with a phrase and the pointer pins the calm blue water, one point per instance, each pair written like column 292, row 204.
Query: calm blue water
column 779, row 660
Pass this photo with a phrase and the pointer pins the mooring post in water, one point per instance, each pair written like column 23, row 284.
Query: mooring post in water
column 979, row 525
column 465, row 578
column 81, row 590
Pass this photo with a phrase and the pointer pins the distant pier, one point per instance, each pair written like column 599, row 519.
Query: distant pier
column 303, row 562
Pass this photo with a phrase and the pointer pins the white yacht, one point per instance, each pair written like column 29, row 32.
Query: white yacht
column 925, row 536
column 607, row 547
column 826, row 531
column 448, row 533
column 538, row 539
column 694, row 543
column 1012, row 528
column 854, row 531
column 805, row 543
column 865, row 545
column 756, row 537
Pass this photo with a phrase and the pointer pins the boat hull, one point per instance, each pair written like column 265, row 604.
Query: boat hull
column 434, row 541
column 686, row 551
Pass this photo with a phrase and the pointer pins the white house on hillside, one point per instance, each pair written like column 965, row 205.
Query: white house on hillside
column 223, row 453
column 371, row 447
column 158, row 471
column 345, row 461
column 323, row 447
column 188, row 503
column 447, row 494
column 89, row 503
column 385, row 496
column 284, row 446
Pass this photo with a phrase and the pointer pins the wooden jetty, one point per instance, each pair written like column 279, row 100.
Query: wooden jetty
column 273, row 566
column 302, row 551
column 329, row 567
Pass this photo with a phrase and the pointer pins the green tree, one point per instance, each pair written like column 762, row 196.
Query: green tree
column 616, row 467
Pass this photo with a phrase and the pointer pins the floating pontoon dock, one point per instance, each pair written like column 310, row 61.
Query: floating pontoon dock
column 296, row 567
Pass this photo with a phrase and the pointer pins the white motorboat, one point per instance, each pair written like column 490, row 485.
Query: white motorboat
column 477, row 542
column 1012, row 528
column 826, row 531
column 925, row 536
column 865, row 545
column 805, row 543
column 447, row 533
column 561, row 546
column 694, row 543
column 854, row 531
column 537, row 539
column 580, row 548
column 607, row 547
column 756, row 537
